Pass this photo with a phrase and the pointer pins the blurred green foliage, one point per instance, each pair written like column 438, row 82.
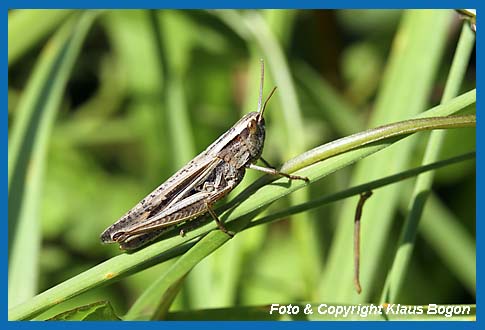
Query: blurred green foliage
column 148, row 90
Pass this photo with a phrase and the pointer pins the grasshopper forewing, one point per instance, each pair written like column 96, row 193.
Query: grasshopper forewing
column 193, row 190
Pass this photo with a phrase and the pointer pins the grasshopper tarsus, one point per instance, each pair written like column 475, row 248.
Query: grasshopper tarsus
column 293, row 177
column 297, row 177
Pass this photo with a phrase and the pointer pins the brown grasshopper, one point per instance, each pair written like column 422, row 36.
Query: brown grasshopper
column 192, row 191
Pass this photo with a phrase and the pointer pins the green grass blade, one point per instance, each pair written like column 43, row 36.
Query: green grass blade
column 374, row 135
column 397, row 274
column 28, row 145
column 22, row 36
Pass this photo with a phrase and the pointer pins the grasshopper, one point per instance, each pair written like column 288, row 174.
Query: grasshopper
column 192, row 191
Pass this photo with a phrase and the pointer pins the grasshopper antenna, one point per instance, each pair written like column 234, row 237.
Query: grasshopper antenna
column 267, row 99
column 260, row 100
column 261, row 110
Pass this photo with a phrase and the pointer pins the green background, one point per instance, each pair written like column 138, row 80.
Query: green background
column 134, row 94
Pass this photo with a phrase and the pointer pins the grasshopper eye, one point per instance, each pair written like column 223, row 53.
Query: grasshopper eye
column 252, row 126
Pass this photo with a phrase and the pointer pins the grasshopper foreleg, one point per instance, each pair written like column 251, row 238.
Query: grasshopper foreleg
column 273, row 171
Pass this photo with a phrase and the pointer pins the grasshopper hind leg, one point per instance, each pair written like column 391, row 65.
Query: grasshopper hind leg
column 141, row 239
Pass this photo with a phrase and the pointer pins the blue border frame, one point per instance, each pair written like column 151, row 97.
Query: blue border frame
column 221, row 4
column 183, row 4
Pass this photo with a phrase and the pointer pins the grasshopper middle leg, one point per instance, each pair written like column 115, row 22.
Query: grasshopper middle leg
column 218, row 221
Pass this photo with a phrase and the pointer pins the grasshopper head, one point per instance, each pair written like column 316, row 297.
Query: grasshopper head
column 255, row 133
column 256, row 130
